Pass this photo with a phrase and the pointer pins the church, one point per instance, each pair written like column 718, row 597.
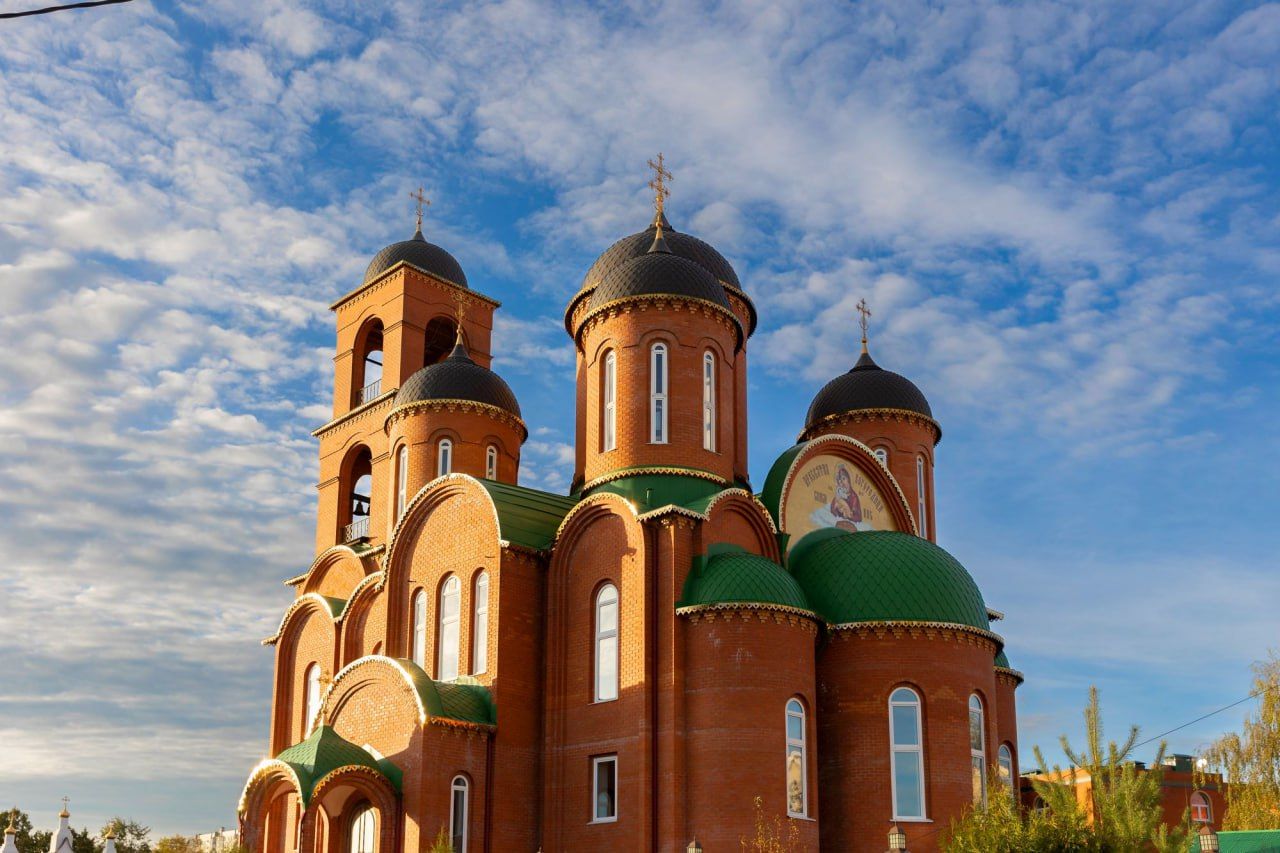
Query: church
column 654, row 661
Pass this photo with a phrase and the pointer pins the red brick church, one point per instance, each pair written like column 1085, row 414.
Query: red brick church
column 632, row 665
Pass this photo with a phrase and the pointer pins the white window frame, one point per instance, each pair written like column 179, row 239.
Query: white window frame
column 607, row 636
column 418, row 628
column 595, row 788
column 1004, row 760
column 491, row 462
column 444, row 457
column 709, row 401
column 659, row 393
column 1208, row 807
column 450, row 632
column 795, row 710
column 882, row 455
column 311, row 699
column 480, row 626
column 978, row 754
column 402, row 480
column 369, row 834
column 921, row 503
column 460, row 786
column 609, row 429
column 918, row 750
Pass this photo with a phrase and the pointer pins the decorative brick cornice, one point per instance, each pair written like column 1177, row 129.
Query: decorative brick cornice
column 647, row 470
column 918, row 630
column 1012, row 677
column 376, row 776
column 358, row 413
column 450, row 405
column 410, row 271
column 727, row 493
column 751, row 611
column 857, row 415
column 663, row 302
column 463, row 727
column 664, row 514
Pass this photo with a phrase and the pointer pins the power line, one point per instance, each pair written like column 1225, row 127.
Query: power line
column 46, row 10
column 1254, row 695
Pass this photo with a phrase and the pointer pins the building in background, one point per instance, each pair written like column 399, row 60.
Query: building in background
column 218, row 842
column 636, row 664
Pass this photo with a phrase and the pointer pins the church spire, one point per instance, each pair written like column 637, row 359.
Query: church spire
column 60, row 841
column 10, row 846
column 865, row 313
column 422, row 201
column 660, row 193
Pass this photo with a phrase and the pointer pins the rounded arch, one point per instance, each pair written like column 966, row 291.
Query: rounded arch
column 439, row 336
column 336, row 572
column 355, row 493
column 647, row 339
column 706, row 342
column 736, row 511
column 352, row 622
column 346, row 795
column 366, row 361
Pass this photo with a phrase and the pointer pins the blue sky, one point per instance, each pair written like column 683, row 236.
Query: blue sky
column 1064, row 215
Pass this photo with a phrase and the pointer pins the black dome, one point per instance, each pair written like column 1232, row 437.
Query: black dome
column 419, row 253
column 458, row 378
column 684, row 245
column 867, row 386
column 658, row 272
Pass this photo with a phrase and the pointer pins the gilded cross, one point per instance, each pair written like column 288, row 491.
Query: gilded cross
column 862, row 320
column 422, row 200
column 659, row 184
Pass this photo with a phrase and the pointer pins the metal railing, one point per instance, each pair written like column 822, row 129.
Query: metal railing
column 371, row 390
column 358, row 529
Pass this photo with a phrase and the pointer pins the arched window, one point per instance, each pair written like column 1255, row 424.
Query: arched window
column 1201, row 811
column 922, row 515
column 708, row 401
column 402, row 480
column 658, row 394
column 420, row 628
column 312, row 709
column 977, row 752
column 907, row 754
column 450, row 623
column 440, row 336
column 1005, row 760
column 458, row 815
column 480, row 626
column 368, row 384
column 362, row 831
column 609, row 429
column 359, row 498
column 444, row 457
column 797, row 764
column 882, row 453
column 491, row 463
column 607, row 644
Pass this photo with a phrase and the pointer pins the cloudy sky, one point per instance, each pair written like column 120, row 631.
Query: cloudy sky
column 1064, row 215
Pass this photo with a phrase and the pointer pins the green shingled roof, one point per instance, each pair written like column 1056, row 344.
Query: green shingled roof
column 528, row 517
column 467, row 700
column 771, row 497
column 650, row 491
column 322, row 753
column 1002, row 660
column 1246, row 841
column 336, row 605
column 729, row 574
column 885, row 576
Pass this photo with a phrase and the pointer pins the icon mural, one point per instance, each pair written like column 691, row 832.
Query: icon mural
column 830, row 491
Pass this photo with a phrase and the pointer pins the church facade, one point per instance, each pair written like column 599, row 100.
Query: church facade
column 662, row 656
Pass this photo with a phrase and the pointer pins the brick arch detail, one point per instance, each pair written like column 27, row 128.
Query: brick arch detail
column 331, row 561
column 860, row 455
column 741, row 504
column 373, row 788
column 270, row 781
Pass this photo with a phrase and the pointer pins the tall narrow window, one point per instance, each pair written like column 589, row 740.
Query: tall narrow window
column 480, row 626
column 444, row 457
column 1005, row 760
column 362, row 831
column 458, row 815
column 312, row 705
column 708, row 401
column 491, row 463
column 923, row 518
column 604, row 789
column 882, row 454
column 797, row 766
column 609, row 431
column 402, row 480
column 1201, row 812
column 420, row 628
column 450, row 622
column 977, row 753
column 658, row 394
column 907, row 753
column 607, row 644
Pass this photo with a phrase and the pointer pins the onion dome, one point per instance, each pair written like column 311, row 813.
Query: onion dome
column 322, row 753
column 417, row 253
column 731, row 575
column 685, row 245
column 867, row 386
column 885, row 576
column 659, row 272
column 458, row 378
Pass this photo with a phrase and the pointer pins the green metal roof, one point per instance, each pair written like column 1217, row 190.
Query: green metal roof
column 528, row 517
column 336, row 605
column 650, row 491
column 771, row 497
column 464, row 700
column 1002, row 660
column 729, row 574
column 1246, row 841
column 322, row 753
column 885, row 576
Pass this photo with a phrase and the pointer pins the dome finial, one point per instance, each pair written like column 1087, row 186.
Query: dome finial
column 862, row 321
column 460, row 315
column 12, row 829
column 422, row 201
column 658, row 183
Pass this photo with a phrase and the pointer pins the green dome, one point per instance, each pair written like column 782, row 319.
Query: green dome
column 320, row 754
column 771, row 496
column 1002, row 660
column 885, row 576
column 731, row 575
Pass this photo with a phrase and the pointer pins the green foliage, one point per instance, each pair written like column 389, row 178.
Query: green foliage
column 771, row 836
column 28, row 839
column 442, row 844
column 1250, row 761
column 131, row 836
column 177, row 844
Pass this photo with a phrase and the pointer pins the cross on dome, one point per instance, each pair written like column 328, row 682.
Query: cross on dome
column 865, row 313
column 659, row 185
column 421, row 200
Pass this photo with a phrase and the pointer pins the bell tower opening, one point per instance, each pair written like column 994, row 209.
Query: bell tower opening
column 359, row 500
column 441, row 333
column 368, row 379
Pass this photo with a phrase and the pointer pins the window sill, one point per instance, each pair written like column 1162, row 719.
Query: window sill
column 602, row 820
column 603, row 701
column 913, row 820
column 802, row 817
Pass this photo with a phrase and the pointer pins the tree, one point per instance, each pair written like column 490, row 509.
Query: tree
column 131, row 836
column 177, row 844
column 442, row 844
column 770, row 836
column 27, row 838
column 1250, row 761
